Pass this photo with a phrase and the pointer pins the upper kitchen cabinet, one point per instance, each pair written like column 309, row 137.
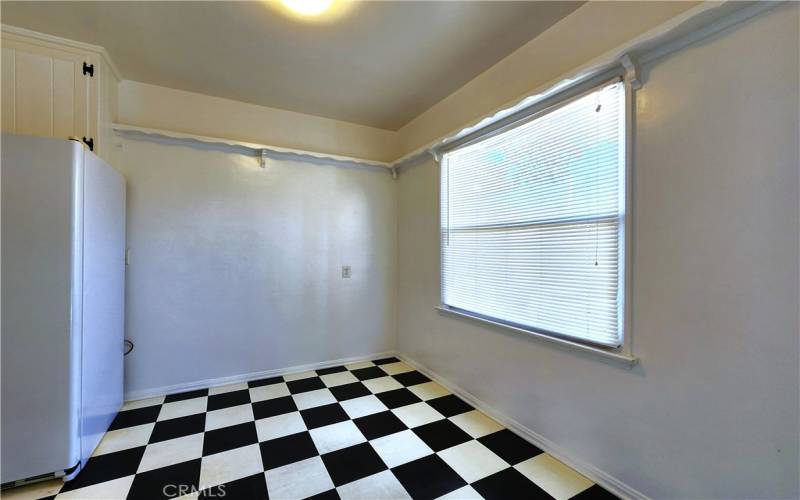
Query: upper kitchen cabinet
column 59, row 88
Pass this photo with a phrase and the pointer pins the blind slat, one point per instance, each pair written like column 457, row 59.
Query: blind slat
column 532, row 221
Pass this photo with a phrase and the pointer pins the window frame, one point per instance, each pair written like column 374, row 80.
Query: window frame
column 549, row 104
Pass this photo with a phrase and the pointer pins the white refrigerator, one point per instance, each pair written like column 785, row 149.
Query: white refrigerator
column 62, row 317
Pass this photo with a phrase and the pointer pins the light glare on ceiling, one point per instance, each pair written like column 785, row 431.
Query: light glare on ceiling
column 308, row 7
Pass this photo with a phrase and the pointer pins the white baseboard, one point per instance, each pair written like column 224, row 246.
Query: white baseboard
column 600, row 477
column 245, row 377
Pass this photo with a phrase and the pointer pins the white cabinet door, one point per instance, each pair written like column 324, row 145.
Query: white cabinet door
column 45, row 91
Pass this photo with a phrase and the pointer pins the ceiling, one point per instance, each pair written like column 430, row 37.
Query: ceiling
column 379, row 63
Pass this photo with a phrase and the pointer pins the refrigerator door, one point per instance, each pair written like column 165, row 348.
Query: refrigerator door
column 41, row 181
column 103, row 299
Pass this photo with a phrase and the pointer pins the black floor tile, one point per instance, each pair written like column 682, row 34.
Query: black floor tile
column 251, row 487
column 441, row 434
column 305, row 385
column 398, row 398
column 178, row 427
column 429, row 477
column 228, row 438
column 326, row 495
column 594, row 493
column 265, row 381
column 349, row 391
column 228, row 399
column 379, row 424
column 386, row 361
column 450, row 405
column 167, row 482
column 510, row 447
column 272, row 407
column 352, row 463
column 333, row 369
column 287, row 450
column 106, row 467
column 139, row 416
column 411, row 378
column 368, row 373
column 508, row 483
column 323, row 415
column 182, row 396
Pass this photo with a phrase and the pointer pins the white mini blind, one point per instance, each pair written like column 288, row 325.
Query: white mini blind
column 533, row 221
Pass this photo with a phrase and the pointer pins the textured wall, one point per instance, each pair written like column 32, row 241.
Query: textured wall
column 712, row 410
column 235, row 269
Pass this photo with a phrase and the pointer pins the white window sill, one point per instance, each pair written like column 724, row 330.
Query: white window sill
column 612, row 354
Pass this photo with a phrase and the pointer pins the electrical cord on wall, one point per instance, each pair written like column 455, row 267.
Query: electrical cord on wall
column 128, row 347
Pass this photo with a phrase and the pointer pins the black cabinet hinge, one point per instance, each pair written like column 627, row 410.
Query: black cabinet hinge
column 88, row 69
column 89, row 142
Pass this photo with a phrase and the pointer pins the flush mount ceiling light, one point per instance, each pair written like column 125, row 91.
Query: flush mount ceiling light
column 308, row 8
column 313, row 11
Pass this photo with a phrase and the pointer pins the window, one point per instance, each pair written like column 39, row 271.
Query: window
column 533, row 221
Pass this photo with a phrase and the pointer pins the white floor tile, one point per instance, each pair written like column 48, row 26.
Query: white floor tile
column 365, row 405
column 171, row 452
column 115, row 489
column 475, row 423
column 472, row 460
column 417, row 414
column 428, row 390
column 464, row 493
column 554, row 477
column 229, row 416
column 298, row 480
column 395, row 368
column 312, row 399
column 300, row 376
column 222, row 389
column 183, row 408
column 382, row 384
column 33, row 491
column 271, row 391
column 336, row 436
column 229, row 465
column 381, row 486
column 142, row 403
column 279, row 426
column 339, row 378
column 400, row 447
column 360, row 364
column 122, row 439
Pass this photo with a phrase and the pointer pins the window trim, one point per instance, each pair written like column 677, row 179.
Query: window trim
column 622, row 353
column 617, row 354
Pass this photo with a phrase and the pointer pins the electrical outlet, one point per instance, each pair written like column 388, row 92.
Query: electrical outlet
column 347, row 272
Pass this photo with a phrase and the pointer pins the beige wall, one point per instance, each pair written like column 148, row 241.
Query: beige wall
column 590, row 31
column 712, row 410
column 152, row 106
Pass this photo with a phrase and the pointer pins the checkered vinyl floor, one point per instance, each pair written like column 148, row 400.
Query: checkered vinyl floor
column 366, row 430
